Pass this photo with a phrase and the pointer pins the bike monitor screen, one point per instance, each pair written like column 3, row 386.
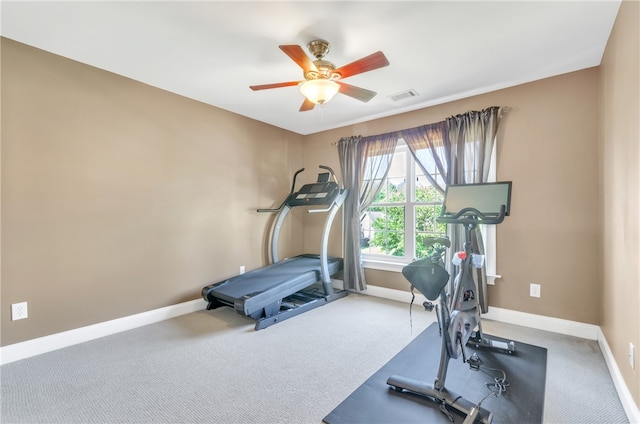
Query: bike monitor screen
column 487, row 198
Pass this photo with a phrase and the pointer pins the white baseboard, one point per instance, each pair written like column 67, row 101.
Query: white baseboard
column 393, row 294
column 540, row 322
column 33, row 347
column 630, row 407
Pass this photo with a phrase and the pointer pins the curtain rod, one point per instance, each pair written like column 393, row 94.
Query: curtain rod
column 501, row 110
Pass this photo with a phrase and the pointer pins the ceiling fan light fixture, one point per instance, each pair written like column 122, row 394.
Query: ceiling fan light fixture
column 319, row 91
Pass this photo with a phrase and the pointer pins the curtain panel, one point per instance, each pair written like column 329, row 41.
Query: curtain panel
column 472, row 136
column 430, row 147
column 364, row 162
column 352, row 170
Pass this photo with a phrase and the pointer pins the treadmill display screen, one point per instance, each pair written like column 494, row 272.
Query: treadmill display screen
column 311, row 195
column 314, row 194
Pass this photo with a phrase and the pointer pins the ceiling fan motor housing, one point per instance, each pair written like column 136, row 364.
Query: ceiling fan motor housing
column 325, row 71
column 319, row 48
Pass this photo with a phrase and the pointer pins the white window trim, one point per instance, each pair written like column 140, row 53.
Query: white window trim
column 489, row 232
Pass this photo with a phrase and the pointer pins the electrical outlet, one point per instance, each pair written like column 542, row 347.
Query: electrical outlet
column 19, row 311
column 241, row 269
column 632, row 355
column 534, row 290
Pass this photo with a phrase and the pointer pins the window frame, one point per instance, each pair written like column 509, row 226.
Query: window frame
column 396, row 263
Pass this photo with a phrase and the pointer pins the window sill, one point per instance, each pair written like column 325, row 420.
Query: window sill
column 384, row 265
column 397, row 267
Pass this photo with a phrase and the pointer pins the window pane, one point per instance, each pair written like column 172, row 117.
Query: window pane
column 398, row 165
column 396, row 190
column 424, row 190
column 387, row 243
column 426, row 220
column 382, row 196
column 396, row 245
column 426, row 225
column 383, row 230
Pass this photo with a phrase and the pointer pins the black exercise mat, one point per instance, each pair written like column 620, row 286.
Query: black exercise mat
column 376, row 402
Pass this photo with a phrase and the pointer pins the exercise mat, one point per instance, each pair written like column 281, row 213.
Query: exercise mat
column 522, row 402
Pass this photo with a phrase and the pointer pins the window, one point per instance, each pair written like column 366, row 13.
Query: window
column 404, row 213
column 388, row 243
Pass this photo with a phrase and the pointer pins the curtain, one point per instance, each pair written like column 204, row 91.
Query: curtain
column 473, row 135
column 460, row 149
column 364, row 163
column 430, row 147
column 351, row 168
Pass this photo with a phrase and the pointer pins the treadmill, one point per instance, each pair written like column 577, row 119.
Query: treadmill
column 292, row 286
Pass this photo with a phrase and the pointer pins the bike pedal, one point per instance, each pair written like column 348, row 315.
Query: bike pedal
column 474, row 362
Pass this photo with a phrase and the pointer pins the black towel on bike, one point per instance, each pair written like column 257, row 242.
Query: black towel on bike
column 428, row 278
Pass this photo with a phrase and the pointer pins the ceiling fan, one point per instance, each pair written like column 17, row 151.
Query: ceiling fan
column 322, row 80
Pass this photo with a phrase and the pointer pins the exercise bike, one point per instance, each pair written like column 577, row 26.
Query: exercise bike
column 459, row 302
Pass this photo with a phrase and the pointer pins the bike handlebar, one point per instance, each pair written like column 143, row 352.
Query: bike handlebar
column 473, row 216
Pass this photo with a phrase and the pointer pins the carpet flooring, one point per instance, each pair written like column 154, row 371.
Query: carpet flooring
column 212, row 367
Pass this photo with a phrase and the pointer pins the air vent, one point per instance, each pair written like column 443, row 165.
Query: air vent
column 404, row 95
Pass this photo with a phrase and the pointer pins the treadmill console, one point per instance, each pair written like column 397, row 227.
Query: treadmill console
column 322, row 192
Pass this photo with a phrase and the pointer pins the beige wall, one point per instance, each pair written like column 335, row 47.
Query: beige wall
column 620, row 191
column 118, row 198
column 548, row 148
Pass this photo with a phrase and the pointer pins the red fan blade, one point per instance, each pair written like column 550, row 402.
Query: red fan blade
column 358, row 93
column 298, row 55
column 369, row 63
column 276, row 85
column 307, row 105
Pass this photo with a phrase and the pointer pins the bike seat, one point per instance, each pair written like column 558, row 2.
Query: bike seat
column 430, row 241
column 428, row 278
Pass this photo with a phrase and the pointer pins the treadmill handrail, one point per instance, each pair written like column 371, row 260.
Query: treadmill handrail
column 293, row 184
column 333, row 210
column 293, row 187
column 333, row 174
column 273, row 209
column 320, row 210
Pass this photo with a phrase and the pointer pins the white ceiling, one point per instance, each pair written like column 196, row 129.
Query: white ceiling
column 212, row 51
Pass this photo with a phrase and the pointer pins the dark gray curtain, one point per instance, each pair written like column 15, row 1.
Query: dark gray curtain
column 362, row 159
